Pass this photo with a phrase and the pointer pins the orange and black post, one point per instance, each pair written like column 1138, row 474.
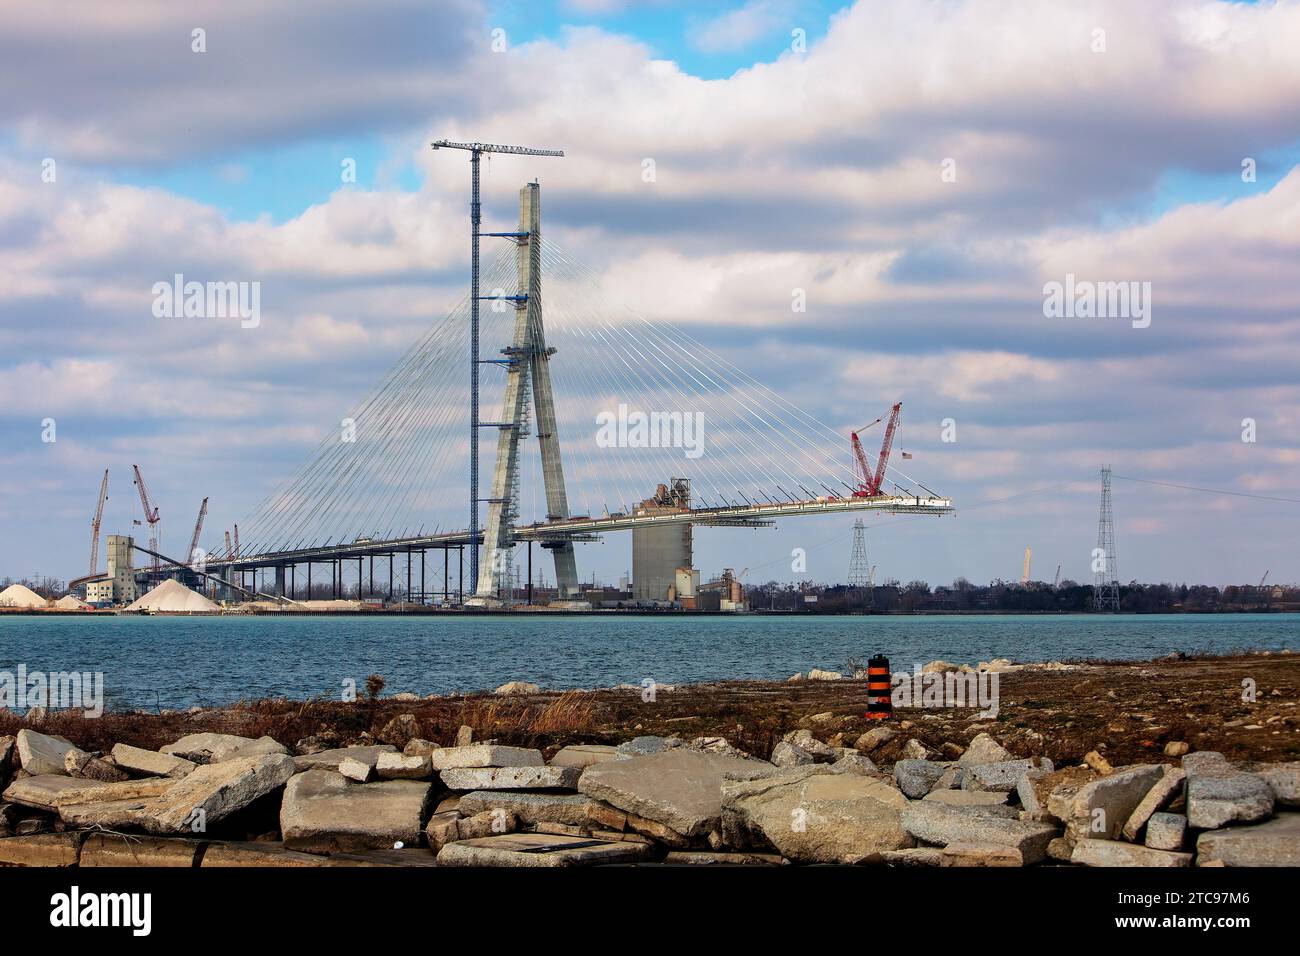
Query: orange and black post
column 879, row 704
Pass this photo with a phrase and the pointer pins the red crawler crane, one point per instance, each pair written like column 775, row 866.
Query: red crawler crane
column 868, row 482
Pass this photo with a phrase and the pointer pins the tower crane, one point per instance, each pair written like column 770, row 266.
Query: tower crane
column 94, row 524
column 150, row 512
column 868, row 482
column 198, row 528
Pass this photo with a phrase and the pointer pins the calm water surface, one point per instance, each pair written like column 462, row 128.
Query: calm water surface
column 178, row 662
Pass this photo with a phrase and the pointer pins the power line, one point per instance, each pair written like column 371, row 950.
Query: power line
column 1209, row 491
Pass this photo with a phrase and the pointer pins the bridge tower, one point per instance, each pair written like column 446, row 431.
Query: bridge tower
column 527, row 367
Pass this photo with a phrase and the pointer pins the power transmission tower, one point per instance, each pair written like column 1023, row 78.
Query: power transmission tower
column 859, row 570
column 1105, row 591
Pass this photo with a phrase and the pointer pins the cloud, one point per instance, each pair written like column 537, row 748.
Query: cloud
column 739, row 28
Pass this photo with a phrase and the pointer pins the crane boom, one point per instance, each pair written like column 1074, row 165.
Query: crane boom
column 94, row 525
column 198, row 528
column 150, row 510
column 496, row 148
column 885, row 446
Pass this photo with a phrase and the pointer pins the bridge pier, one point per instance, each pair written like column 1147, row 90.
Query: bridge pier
column 279, row 580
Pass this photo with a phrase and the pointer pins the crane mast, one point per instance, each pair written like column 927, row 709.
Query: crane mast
column 198, row 528
column 94, row 525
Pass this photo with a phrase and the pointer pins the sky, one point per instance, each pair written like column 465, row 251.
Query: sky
column 917, row 174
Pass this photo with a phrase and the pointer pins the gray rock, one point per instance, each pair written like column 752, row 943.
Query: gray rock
column 40, row 753
column 1219, row 793
column 856, row 763
column 711, row 858
column 511, row 778
column 324, row 812
column 1118, row 853
column 874, row 738
column 150, row 762
column 1003, row 776
column 357, row 770
column 786, row 754
column 214, row 748
column 78, row 763
column 583, row 755
column 915, row 750
column 916, row 778
column 530, row 808
column 643, row 746
column 1099, row 810
column 331, row 759
column 1283, row 779
column 717, row 745
column 968, row 798
column 419, row 747
column 1165, row 831
column 680, row 788
column 984, row 749
column 517, row 687
column 211, row 793
column 540, row 850
column 1036, row 788
column 935, row 823
column 805, row 741
column 464, row 736
column 402, row 767
column 957, row 855
column 821, row 817
column 484, row 755
column 50, row 792
column 1275, row 843
column 1161, row 794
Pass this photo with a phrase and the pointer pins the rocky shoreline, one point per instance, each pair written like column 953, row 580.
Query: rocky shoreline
column 746, row 773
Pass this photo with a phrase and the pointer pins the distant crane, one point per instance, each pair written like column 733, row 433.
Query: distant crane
column 1024, row 575
column 868, row 482
column 198, row 529
column 1264, row 578
column 94, row 525
column 1056, row 582
column 150, row 512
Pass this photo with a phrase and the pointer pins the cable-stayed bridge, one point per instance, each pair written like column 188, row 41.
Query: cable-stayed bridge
column 603, row 421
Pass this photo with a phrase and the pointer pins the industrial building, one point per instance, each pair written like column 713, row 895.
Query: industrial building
column 118, row 585
column 658, row 553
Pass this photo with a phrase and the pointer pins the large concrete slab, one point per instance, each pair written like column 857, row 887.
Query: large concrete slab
column 939, row 824
column 40, row 753
column 213, row 792
column 45, row 849
column 1099, row 810
column 257, row 855
column 530, row 808
column 330, row 759
column 680, row 788
column 540, row 850
column 52, row 792
column 214, row 748
column 583, row 755
column 324, row 812
column 485, row 755
column 120, row 849
column 1118, row 853
column 511, row 778
column 1160, row 795
column 150, row 762
column 821, row 817
column 1275, row 843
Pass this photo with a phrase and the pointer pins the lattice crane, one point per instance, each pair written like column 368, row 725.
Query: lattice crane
column 151, row 515
column 94, row 525
column 869, row 482
column 198, row 528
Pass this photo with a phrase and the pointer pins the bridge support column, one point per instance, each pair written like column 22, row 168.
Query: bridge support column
column 279, row 580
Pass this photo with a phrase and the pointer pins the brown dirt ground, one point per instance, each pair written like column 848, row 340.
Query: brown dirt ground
column 1128, row 711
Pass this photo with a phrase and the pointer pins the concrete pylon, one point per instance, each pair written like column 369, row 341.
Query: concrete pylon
column 530, row 362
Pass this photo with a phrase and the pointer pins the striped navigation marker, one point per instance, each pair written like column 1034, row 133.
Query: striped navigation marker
column 879, row 704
